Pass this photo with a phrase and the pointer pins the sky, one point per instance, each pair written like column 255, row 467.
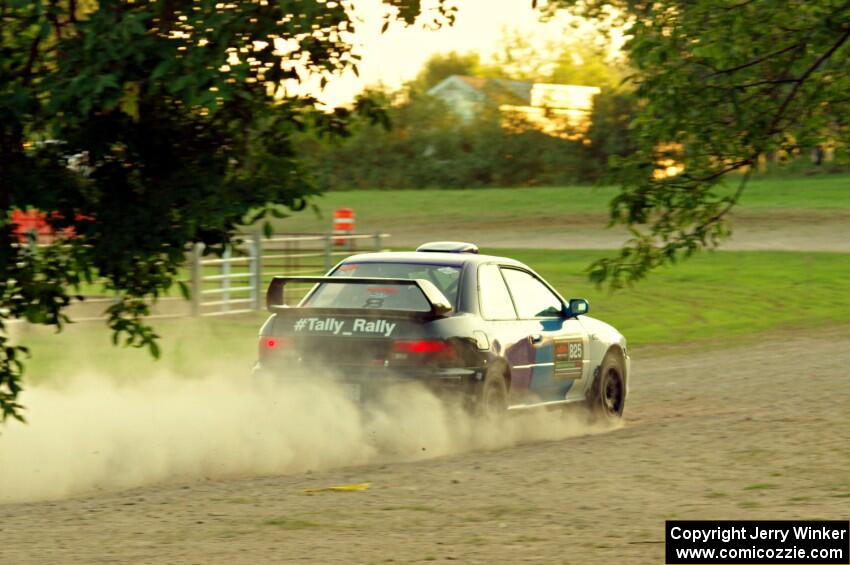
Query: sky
column 398, row 54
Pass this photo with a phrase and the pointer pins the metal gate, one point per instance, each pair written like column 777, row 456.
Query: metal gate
column 236, row 282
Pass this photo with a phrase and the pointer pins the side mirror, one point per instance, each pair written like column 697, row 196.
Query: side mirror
column 577, row 307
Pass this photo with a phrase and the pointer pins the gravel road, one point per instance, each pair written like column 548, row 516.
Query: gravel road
column 755, row 431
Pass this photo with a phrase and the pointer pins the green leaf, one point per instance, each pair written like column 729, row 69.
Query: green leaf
column 130, row 100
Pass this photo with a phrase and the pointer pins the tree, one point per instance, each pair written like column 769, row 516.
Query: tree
column 722, row 82
column 582, row 57
column 610, row 134
column 443, row 65
column 429, row 147
column 178, row 120
column 584, row 62
column 520, row 57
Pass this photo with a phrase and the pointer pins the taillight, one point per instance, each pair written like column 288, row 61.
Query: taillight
column 420, row 346
column 274, row 345
column 423, row 349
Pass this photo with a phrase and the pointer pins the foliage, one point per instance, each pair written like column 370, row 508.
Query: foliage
column 443, row 65
column 178, row 119
column 610, row 135
column 585, row 63
column 428, row 146
column 720, row 83
column 581, row 58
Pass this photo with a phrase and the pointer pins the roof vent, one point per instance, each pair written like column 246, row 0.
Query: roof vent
column 448, row 247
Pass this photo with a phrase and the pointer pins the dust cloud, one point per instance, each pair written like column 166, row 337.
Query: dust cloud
column 92, row 433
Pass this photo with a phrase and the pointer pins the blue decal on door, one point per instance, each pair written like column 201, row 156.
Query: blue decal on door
column 545, row 385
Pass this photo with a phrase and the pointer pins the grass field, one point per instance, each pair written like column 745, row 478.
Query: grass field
column 801, row 200
column 712, row 300
column 714, row 296
column 381, row 210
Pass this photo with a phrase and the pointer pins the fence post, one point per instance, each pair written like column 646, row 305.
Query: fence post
column 378, row 237
column 225, row 280
column 257, row 275
column 329, row 245
column 197, row 277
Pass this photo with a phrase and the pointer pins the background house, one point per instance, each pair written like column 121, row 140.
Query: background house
column 562, row 110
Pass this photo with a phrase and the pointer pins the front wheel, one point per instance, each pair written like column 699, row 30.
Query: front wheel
column 608, row 395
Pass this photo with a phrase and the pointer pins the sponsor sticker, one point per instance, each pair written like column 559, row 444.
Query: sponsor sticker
column 569, row 357
column 334, row 326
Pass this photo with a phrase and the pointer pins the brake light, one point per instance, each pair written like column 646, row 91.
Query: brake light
column 423, row 351
column 421, row 346
column 273, row 345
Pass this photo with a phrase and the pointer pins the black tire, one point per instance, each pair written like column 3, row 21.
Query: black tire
column 492, row 399
column 607, row 397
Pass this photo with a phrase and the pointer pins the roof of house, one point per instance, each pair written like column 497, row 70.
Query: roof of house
column 513, row 92
column 500, row 90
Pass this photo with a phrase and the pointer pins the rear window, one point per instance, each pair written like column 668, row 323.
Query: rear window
column 385, row 296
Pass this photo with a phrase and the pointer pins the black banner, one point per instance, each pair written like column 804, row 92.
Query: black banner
column 694, row 542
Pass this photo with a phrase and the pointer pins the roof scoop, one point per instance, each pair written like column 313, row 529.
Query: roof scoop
column 448, row 247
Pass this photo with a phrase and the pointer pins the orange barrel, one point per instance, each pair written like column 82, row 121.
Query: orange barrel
column 31, row 222
column 343, row 225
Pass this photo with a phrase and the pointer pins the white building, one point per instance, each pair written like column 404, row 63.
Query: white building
column 556, row 109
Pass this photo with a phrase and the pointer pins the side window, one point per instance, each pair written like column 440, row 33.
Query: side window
column 533, row 299
column 495, row 300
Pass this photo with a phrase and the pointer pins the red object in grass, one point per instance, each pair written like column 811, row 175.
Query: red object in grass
column 34, row 223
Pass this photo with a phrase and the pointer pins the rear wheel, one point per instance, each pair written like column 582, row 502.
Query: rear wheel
column 493, row 398
column 608, row 394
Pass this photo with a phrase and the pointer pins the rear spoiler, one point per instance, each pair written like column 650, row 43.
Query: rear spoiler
column 440, row 305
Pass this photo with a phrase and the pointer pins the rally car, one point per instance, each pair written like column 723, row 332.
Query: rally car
column 488, row 329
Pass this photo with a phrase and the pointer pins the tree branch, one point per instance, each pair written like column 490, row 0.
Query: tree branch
column 766, row 82
column 733, row 167
column 772, row 129
column 57, row 25
column 802, row 79
column 734, row 200
column 756, row 61
column 26, row 72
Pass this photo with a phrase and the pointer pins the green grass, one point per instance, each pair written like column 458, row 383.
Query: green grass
column 503, row 208
column 831, row 192
column 711, row 300
column 713, row 296
column 383, row 209
column 760, row 486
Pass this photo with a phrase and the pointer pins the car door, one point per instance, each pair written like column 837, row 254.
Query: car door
column 508, row 336
column 558, row 344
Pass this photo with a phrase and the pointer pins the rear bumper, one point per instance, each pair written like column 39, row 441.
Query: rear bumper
column 373, row 380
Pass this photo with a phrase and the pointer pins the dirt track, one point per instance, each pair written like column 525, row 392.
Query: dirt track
column 757, row 431
column 774, row 230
